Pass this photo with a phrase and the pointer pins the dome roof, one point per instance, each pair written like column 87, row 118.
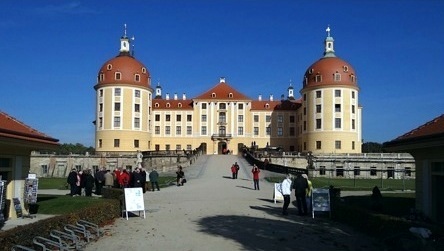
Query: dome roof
column 330, row 71
column 124, row 69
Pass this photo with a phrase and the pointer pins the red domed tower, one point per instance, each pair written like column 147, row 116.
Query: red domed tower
column 330, row 112
column 123, row 98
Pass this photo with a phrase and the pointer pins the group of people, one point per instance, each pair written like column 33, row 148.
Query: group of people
column 255, row 171
column 82, row 182
column 303, row 191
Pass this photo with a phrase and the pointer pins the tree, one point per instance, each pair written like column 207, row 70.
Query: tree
column 75, row 149
column 372, row 147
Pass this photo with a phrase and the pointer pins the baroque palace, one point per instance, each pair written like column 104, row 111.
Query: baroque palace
column 132, row 115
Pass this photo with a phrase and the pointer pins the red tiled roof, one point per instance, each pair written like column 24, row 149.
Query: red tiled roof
column 172, row 104
column 276, row 105
column 222, row 91
column 433, row 127
column 12, row 128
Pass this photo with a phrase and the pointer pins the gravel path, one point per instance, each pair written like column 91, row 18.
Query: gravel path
column 214, row 212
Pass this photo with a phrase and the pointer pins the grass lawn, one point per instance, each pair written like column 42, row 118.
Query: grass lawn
column 63, row 204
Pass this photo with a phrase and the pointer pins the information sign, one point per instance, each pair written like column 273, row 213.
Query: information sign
column 320, row 200
column 134, row 200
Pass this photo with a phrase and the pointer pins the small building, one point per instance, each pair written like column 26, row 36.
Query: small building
column 426, row 144
column 17, row 141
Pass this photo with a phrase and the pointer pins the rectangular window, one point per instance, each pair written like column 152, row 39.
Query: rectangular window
column 353, row 124
column 280, row 119
column 44, row 169
column 136, row 122
column 240, row 130
column 322, row 170
column 372, row 171
column 280, row 131
column 353, row 145
column 100, row 107
column 100, row 122
column 167, row 130
column 337, row 144
column 101, row 93
column 318, row 145
column 337, row 77
column 268, row 118
column 353, row 109
column 240, row 106
column 178, row 147
column 337, row 123
column 292, row 131
column 189, row 130
column 116, row 142
column 291, row 119
column 178, row 118
column 337, row 107
column 189, row 147
column 100, row 143
column 167, row 117
column 256, row 118
column 157, row 117
column 204, row 106
column 157, row 130
column 178, row 130
column 305, row 111
column 318, row 124
column 256, row 131
column 318, row 108
column 137, row 94
column 357, row 171
column 137, row 107
column 353, row 95
column 240, row 118
column 408, row 171
column 337, row 93
column 268, row 130
column 305, row 125
column 339, row 171
column 203, row 130
column 136, row 143
column 318, row 78
column 189, row 118
column 116, row 121
column 117, row 106
column 203, row 118
column 167, row 147
column 318, row 94
column 117, row 92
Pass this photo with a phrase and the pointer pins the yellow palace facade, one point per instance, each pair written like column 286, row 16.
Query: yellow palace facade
column 133, row 116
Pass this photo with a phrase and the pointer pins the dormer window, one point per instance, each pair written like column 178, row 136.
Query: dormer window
column 345, row 68
column 179, row 105
column 109, row 67
column 213, row 95
column 337, row 76
column 267, row 106
column 143, row 70
column 118, row 76
column 230, row 95
column 137, row 77
column 318, row 78
column 168, row 105
column 156, row 105
column 353, row 78
column 101, row 77
column 310, row 71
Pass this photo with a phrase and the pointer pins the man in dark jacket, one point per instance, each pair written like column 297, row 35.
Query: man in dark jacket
column 72, row 180
column 300, row 185
column 154, row 176
column 100, row 180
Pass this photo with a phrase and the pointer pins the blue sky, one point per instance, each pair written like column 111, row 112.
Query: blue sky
column 51, row 52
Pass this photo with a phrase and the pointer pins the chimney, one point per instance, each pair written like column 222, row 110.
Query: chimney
column 175, row 96
column 222, row 79
column 271, row 97
column 184, row 97
column 260, row 97
column 167, row 96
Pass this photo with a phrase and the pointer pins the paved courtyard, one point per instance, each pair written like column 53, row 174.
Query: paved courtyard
column 214, row 212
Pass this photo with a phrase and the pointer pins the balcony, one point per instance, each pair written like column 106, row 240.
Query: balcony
column 222, row 136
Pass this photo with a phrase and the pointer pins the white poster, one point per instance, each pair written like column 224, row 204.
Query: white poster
column 134, row 200
column 277, row 195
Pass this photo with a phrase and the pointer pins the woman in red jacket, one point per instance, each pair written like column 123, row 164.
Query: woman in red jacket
column 255, row 172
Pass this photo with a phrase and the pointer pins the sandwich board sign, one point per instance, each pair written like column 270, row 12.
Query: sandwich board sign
column 320, row 200
column 277, row 195
column 134, row 201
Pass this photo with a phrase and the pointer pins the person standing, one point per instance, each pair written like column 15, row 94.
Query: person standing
column 300, row 186
column 88, row 180
column 308, row 192
column 100, row 180
column 72, row 180
column 286, row 192
column 124, row 179
column 236, row 166
column 255, row 172
column 233, row 172
column 144, row 174
column 180, row 176
column 137, row 178
column 154, row 177
column 109, row 179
